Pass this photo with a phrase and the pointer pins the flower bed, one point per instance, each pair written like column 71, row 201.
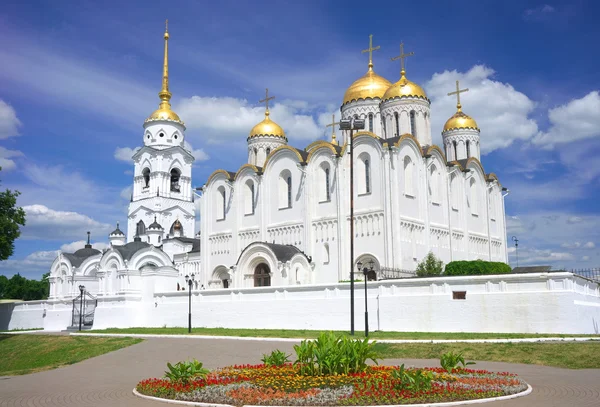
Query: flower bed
column 376, row 385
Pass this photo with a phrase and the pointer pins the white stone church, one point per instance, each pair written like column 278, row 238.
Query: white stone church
column 282, row 218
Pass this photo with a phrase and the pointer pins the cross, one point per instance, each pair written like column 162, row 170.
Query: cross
column 401, row 57
column 332, row 125
column 370, row 50
column 457, row 93
column 266, row 99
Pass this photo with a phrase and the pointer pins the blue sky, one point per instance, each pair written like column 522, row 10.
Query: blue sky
column 78, row 79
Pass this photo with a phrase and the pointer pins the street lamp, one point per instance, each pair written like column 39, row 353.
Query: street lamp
column 82, row 291
column 366, row 270
column 352, row 124
column 190, row 281
column 514, row 239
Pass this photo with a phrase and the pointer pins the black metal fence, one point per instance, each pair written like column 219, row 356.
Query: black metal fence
column 84, row 305
column 388, row 273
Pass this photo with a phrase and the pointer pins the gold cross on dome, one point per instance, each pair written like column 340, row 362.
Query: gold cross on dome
column 266, row 99
column 370, row 50
column 332, row 125
column 457, row 93
column 402, row 57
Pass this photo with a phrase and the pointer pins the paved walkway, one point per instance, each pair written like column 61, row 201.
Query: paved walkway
column 107, row 380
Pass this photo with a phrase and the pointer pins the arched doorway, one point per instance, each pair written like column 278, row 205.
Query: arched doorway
column 262, row 275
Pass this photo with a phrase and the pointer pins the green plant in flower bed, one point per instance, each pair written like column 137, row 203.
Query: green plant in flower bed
column 453, row 361
column 286, row 385
column 184, row 372
column 276, row 358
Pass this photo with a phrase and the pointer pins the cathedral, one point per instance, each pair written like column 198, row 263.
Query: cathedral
column 283, row 217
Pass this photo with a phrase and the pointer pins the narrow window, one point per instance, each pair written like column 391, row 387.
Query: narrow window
column 224, row 202
column 327, row 191
column 408, row 176
column 455, row 150
column 397, row 124
column 413, row 124
column 468, row 149
column 326, row 253
column 289, row 192
column 268, row 150
column 175, row 180
column 140, row 228
column 220, row 204
column 146, row 174
column 367, row 177
column 473, row 197
column 249, row 198
column 252, row 197
column 255, row 156
column 371, row 122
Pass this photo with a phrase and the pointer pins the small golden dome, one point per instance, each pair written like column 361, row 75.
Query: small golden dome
column 404, row 88
column 368, row 86
column 267, row 128
column 460, row 121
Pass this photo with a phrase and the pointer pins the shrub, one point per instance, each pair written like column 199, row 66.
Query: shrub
column 476, row 267
column 184, row 372
column 276, row 358
column 451, row 361
column 430, row 266
column 332, row 354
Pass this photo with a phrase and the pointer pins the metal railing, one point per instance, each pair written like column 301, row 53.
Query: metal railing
column 388, row 273
column 591, row 274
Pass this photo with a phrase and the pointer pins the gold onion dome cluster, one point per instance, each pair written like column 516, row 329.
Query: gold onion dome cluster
column 368, row 86
column 267, row 128
column 404, row 88
column 460, row 121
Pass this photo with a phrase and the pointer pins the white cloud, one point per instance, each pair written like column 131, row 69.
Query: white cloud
column 222, row 119
column 585, row 258
column 126, row 193
column 500, row 110
column 589, row 245
column 199, row 154
column 9, row 123
column 48, row 224
column 574, row 245
column 80, row 244
column 577, row 120
column 5, row 158
column 125, row 153
column 538, row 12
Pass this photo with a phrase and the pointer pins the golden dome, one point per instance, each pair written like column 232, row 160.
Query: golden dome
column 460, row 121
column 164, row 111
column 370, row 85
column 267, row 128
column 404, row 88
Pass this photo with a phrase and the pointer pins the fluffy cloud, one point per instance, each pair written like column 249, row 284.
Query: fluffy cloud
column 221, row 119
column 539, row 12
column 80, row 244
column 577, row 120
column 125, row 153
column 9, row 123
column 5, row 158
column 577, row 245
column 48, row 224
column 499, row 109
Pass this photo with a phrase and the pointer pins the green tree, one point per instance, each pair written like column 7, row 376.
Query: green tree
column 430, row 266
column 11, row 218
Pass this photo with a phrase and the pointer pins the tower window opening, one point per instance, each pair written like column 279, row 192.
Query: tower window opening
column 455, row 150
column 371, row 122
column 175, row 174
column 367, row 177
column 175, row 137
column 468, row 149
column 162, row 134
column 268, row 150
column 140, row 228
column 397, row 124
column 327, row 191
column 146, row 175
column 289, row 192
column 413, row 124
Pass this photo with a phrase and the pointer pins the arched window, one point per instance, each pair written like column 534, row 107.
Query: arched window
column 468, row 149
column 455, row 150
column 454, row 191
column 255, row 156
column 367, row 177
column 363, row 174
column 146, row 175
column 434, row 185
column 268, row 150
column 262, row 275
column 408, row 176
column 285, row 190
column 140, row 228
column 327, row 185
column 370, row 122
column 473, row 201
column 413, row 123
column 326, row 253
column 172, row 229
column 249, row 198
column 175, row 174
column 221, row 203
column 324, row 184
column 397, row 124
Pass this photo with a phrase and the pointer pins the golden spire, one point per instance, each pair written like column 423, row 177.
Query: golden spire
column 370, row 51
column 401, row 57
column 457, row 93
column 266, row 101
column 332, row 125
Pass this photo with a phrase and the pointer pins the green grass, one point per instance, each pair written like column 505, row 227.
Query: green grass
column 22, row 354
column 23, row 330
column 288, row 333
column 571, row 355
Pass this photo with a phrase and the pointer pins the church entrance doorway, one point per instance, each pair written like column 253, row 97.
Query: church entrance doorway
column 262, row 275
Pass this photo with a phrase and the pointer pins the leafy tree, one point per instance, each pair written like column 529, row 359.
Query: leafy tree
column 430, row 266
column 11, row 218
column 20, row 288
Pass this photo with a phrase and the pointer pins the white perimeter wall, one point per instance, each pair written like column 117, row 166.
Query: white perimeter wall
column 529, row 303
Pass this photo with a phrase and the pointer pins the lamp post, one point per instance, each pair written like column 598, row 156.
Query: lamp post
column 352, row 124
column 365, row 272
column 82, row 291
column 514, row 239
column 190, row 281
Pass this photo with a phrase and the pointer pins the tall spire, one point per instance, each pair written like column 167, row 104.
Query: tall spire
column 164, row 94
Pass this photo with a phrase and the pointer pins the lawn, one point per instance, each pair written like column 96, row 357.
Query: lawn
column 289, row 333
column 571, row 355
column 22, row 354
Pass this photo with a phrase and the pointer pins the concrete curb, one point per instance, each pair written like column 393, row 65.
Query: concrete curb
column 448, row 404
column 251, row 338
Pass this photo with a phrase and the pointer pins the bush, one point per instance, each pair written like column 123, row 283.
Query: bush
column 332, row 354
column 184, row 372
column 476, row 268
column 430, row 266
